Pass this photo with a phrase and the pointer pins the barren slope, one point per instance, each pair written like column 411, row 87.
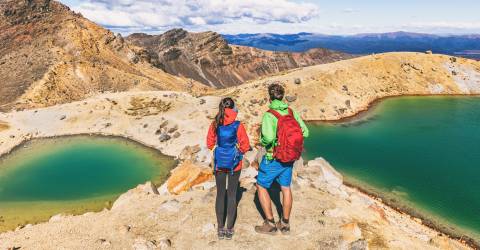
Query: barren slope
column 50, row 55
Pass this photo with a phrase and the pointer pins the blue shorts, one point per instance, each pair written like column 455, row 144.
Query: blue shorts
column 270, row 171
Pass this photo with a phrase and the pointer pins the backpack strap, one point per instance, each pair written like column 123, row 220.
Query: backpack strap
column 275, row 113
column 290, row 112
column 236, row 124
column 278, row 115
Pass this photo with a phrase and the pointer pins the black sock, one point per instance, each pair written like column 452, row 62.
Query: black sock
column 271, row 221
column 285, row 220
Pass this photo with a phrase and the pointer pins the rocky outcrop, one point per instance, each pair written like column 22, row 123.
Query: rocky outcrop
column 187, row 175
column 51, row 55
column 208, row 58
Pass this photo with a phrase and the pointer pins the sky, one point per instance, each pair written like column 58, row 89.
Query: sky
column 337, row 17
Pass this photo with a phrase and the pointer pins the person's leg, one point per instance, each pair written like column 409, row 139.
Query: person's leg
column 231, row 203
column 232, row 198
column 267, row 173
column 285, row 179
column 287, row 201
column 220, row 179
column 266, row 176
column 265, row 202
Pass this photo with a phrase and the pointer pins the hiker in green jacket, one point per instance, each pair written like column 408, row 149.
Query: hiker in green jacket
column 277, row 164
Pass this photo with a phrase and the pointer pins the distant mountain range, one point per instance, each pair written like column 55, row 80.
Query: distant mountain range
column 459, row 45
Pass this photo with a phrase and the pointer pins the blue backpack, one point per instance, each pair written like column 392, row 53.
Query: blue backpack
column 226, row 154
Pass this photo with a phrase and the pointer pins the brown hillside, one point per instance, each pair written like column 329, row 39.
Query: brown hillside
column 208, row 58
column 50, row 55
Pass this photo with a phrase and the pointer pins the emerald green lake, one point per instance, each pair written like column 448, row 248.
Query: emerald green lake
column 422, row 153
column 72, row 175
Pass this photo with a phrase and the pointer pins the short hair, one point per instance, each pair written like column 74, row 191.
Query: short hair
column 276, row 91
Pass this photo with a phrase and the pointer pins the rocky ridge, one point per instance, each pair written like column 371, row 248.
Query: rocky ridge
column 343, row 89
column 208, row 58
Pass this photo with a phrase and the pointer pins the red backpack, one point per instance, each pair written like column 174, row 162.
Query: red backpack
column 289, row 146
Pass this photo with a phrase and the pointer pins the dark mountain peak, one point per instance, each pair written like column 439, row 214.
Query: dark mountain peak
column 140, row 35
column 26, row 11
column 175, row 34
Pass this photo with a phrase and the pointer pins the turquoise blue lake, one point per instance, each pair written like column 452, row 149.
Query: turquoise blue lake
column 72, row 175
column 422, row 153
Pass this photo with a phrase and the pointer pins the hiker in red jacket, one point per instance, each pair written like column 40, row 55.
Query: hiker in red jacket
column 229, row 141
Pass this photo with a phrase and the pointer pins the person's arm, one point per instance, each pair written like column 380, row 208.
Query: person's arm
column 243, row 141
column 302, row 124
column 269, row 130
column 211, row 137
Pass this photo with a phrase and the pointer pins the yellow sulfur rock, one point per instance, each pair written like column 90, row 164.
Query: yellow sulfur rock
column 187, row 175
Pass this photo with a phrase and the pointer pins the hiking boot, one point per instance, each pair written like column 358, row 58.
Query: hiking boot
column 268, row 227
column 229, row 234
column 221, row 233
column 283, row 227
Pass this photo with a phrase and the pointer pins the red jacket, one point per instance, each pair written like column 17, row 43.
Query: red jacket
column 242, row 137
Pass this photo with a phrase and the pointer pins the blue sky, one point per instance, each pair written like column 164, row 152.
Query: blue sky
column 284, row 16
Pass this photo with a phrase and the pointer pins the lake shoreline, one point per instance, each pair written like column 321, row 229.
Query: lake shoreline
column 415, row 215
column 363, row 115
column 365, row 111
column 9, row 220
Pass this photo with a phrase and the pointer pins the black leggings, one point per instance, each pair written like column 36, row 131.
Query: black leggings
column 231, row 190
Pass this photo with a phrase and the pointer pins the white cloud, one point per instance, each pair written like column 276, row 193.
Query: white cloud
column 160, row 15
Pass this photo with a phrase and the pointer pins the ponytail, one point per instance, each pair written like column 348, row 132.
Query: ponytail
column 220, row 117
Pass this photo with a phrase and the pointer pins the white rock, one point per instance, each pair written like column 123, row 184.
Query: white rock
column 57, row 217
column 361, row 200
column 250, row 156
column 248, row 183
column 248, row 173
column 163, row 189
column 204, row 157
column 171, row 206
column 205, row 186
column 302, row 182
column 327, row 172
column 149, row 188
column 165, row 244
column 336, row 191
column 299, row 163
column 207, row 228
column 335, row 213
column 142, row 244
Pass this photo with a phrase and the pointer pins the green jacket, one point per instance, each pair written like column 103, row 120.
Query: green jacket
column 269, row 126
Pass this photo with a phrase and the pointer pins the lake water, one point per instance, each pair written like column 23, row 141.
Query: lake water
column 72, row 175
column 419, row 152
